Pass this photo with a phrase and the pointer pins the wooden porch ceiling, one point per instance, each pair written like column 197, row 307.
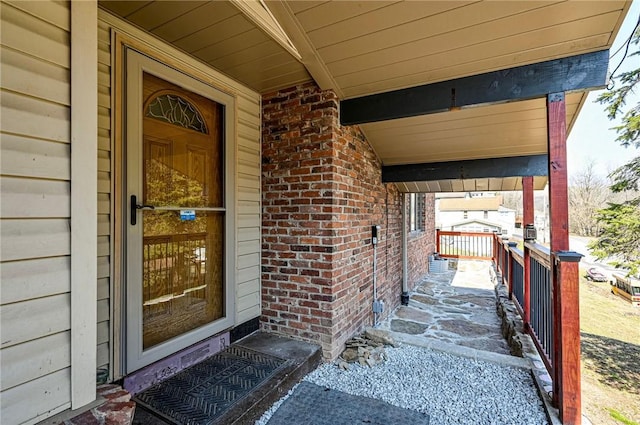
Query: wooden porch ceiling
column 238, row 38
column 360, row 48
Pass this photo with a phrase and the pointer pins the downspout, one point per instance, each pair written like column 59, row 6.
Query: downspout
column 404, row 298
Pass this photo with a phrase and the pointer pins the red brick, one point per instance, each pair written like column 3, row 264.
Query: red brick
column 322, row 191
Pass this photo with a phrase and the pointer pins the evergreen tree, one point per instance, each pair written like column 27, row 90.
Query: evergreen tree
column 619, row 239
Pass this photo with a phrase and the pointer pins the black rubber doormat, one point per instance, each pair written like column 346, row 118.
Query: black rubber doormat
column 311, row 404
column 202, row 393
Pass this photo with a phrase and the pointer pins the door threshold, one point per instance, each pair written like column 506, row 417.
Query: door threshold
column 157, row 372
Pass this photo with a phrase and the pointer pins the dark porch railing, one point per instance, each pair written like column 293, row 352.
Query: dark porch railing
column 517, row 277
column 535, row 302
column 540, row 306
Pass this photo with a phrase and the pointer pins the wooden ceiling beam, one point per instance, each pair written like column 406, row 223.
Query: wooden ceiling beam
column 531, row 165
column 575, row 73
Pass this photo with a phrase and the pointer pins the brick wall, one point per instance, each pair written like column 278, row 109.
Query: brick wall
column 321, row 193
column 421, row 242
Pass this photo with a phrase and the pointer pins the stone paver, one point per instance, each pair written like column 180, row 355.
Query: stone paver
column 456, row 307
column 411, row 313
column 407, row 327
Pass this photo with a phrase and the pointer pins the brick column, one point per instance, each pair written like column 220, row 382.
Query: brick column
column 321, row 193
column 298, row 241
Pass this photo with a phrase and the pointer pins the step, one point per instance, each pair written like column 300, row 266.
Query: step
column 113, row 406
column 301, row 358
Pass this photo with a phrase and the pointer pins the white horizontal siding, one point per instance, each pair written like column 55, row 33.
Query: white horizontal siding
column 53, row 12
column 103, row 289
column 248, row 247
column 34, row 198
column 103, row 310
column 35, row 77
column 103, row 267
column 248, row 275
column 27, row 157
column 24, row 239
column 104, row 197
column 29, row 320
column 248, row 298
column 248, row 234
column 37, row 399
column 103, row 246
column 249, row 194
column 248, row 260
column 35, row 311
column 103, row 355
column 248, row 288
column 246, row 140
column 248, row 219
column 103, row 332
column 35, row 36
column 29, row 116
column 28, row 361
column 29, row 279
column 104, row 226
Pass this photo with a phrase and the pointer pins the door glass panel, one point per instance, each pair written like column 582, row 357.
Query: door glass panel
column 176, row 110
column 183, row 270
column 182, row 255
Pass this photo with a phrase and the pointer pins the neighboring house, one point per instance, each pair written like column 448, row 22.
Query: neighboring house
column 176, row 175
column 477, row 226
column 475, row 214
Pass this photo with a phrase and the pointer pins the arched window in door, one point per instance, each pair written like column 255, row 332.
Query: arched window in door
column 176, row 110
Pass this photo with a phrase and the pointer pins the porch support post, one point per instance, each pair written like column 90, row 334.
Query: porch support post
column 527, row 219
column 566, row 324
column 567, row 366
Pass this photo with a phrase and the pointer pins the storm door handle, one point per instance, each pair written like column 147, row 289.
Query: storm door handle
column 135, row 207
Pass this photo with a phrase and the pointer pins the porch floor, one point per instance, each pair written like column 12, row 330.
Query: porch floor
column 455, row 307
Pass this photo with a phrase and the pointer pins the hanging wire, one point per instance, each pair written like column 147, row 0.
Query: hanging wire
column 626, row 45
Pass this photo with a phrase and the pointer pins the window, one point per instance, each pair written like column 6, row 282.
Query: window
column 416, row 211
column 486, row 215
column 174, row 109
column 465, row 214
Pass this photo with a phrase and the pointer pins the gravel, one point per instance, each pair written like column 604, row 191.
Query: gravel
column 451, row 389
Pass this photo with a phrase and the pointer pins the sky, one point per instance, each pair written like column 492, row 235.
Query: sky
column 591, row 138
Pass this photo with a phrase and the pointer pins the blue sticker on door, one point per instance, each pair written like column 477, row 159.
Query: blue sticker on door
column 187, row 215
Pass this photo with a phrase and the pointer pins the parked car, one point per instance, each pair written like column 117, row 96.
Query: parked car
column 595, row 275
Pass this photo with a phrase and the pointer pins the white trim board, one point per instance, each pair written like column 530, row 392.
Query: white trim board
column 84, row 205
